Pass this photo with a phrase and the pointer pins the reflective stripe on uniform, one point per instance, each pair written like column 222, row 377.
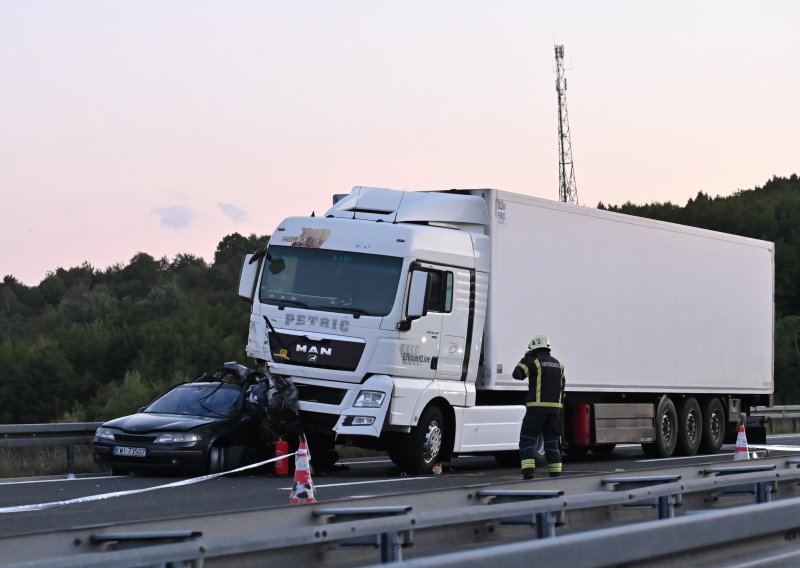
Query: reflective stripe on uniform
column 547, row 404
column 528, row 464
column 524, row 367
column 555, row 467
column 538, row 379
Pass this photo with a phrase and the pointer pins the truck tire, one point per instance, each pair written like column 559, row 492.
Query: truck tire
column 690, row 427
column 666, row 430
column 713, row 426
column 425, row 443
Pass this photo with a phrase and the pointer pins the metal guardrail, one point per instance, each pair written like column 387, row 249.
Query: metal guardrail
column 67, row 435
column 56, row 434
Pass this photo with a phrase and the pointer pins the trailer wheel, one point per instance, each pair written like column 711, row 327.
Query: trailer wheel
column 713, row 426
column 425, row 443
column 690, row 427
column 666, row 430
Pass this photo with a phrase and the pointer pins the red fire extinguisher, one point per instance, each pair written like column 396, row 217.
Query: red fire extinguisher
column 281, row 449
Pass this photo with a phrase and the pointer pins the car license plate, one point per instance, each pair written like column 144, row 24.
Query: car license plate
column 132, row 452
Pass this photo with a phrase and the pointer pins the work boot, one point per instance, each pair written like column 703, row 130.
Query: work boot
column 527, row 473
column 555, row 473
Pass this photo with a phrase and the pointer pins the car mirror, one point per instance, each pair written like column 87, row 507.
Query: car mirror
column 141, row 409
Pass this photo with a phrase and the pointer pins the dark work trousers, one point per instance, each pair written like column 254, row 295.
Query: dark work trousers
column 549, row 425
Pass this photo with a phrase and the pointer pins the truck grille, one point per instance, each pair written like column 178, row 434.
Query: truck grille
column 325, row 395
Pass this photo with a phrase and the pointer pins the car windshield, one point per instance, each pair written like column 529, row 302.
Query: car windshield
column 198, row 399
column 331, row 280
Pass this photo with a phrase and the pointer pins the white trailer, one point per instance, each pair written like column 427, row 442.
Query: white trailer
column 400, row 316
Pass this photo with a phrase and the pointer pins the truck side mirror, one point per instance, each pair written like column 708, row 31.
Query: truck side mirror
column 417, row 295
column 248, row 276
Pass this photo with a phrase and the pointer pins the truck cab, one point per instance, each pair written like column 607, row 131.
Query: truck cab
column 372, row 310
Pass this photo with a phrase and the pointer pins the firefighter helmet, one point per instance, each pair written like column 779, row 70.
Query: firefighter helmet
column 539, row 342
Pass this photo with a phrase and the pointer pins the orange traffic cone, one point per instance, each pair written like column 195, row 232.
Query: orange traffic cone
column 742, row 452
column 303, row 488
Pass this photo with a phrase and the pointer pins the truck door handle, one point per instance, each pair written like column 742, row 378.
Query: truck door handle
column 434, row 362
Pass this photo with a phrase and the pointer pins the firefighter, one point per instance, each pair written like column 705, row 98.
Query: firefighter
column 544, row 404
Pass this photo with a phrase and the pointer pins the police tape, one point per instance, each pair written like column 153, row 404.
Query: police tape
column 103, row 496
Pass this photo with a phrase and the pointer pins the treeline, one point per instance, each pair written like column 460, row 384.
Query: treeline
column 771, row 213
column 89, row 345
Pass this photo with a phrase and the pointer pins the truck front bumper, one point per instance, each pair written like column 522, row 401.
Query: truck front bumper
column 360, row 412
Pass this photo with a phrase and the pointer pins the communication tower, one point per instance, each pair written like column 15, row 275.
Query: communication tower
column 567, row 190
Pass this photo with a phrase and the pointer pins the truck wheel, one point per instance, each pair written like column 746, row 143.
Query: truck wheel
column 690, row 427
column 425, row 443
column 713, row 426
column 666, row 430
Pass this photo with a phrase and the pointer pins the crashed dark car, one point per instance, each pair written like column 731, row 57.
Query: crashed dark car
column 210, row 425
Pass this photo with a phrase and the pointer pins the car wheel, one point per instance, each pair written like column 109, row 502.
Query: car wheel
column 216, row 460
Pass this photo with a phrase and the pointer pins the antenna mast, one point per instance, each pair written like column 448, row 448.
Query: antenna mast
column 567, row 190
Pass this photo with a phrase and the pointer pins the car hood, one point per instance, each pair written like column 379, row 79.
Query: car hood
column 145, row 422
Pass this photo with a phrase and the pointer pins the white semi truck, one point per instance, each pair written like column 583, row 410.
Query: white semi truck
column 401, row 315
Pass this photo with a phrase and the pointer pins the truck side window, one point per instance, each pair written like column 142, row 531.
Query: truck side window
column 440, row 295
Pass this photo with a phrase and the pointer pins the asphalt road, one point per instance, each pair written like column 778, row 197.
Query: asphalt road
column 248, row 491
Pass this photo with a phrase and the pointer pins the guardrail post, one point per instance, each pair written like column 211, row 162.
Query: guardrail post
column 545, row 525
column 70, row 462
column 391, row 547
column 666, row 506
column 763, row 493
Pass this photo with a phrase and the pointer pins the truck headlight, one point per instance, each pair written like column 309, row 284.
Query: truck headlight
column 176, row 438
column 369, row 399
column 104, row 434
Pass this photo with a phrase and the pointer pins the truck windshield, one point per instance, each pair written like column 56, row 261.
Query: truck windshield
column 331, row 280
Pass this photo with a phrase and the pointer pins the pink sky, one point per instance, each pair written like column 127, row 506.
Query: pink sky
column 163, row 126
